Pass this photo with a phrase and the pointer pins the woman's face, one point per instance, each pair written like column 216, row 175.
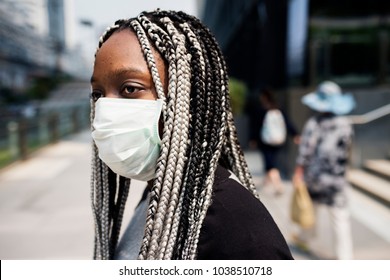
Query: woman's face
column 121, row 71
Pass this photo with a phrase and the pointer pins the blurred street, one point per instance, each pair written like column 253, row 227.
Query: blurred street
column 45, row 208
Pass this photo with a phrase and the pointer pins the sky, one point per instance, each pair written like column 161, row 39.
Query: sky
column 104, row 13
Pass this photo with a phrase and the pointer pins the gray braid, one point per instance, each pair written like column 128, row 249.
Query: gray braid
column 170, row 196
column 181, row 133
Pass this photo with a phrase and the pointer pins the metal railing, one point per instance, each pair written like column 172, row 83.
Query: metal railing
column 370, row 116
column 19, row 137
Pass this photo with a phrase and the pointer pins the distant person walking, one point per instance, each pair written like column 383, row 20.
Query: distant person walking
column 322, row 161
column 272, row 134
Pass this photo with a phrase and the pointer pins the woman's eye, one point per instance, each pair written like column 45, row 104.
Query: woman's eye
column 96, row 95
column 128, row 91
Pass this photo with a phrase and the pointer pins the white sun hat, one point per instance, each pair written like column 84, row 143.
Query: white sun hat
column 329, row 98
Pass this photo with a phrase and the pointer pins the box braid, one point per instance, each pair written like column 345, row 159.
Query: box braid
column 198, row 134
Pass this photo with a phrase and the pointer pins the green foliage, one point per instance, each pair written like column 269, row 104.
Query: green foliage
column 238, row 91
column 41, row 87
column 5, row 157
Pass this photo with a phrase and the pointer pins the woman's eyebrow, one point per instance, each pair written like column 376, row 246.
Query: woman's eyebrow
column 130, row 70
column 124, row 71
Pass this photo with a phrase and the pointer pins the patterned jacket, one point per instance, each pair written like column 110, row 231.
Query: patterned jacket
column 323, row 154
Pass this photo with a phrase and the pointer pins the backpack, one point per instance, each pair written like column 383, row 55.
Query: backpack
column 273, row 131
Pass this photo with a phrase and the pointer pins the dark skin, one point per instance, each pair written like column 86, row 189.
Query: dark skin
column 121, row 71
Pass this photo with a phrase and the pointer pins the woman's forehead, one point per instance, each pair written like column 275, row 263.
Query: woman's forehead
column 121, row 46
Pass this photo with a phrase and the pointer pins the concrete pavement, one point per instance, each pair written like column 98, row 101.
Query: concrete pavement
column 45, row 208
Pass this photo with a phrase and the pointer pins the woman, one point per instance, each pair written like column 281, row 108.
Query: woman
column 322, row 162
column 161, row 114
column 269, row 149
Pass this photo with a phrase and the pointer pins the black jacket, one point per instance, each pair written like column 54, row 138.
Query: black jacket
column 237, row 225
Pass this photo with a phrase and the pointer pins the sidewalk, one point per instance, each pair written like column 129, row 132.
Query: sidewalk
column 45, row 208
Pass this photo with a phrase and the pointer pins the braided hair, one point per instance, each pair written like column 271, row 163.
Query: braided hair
column 198, row 134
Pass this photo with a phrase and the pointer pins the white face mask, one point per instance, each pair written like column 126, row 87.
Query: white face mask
column 126, row 135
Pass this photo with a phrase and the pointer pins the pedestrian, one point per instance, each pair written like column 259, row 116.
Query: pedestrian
column 161, row 114
column 274, row 127
column 322, row 161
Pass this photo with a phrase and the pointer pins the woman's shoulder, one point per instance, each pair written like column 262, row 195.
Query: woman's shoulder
column 230, row 196
column 238, row 226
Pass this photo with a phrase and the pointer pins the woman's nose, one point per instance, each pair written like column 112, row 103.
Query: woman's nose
column 111, row 94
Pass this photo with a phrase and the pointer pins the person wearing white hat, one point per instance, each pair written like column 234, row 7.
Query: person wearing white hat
column 328, row 98
column 322, row 161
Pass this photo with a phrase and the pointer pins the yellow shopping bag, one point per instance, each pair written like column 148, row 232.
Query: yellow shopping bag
column 302, row 210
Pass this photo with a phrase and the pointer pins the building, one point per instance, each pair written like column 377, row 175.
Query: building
column 292, row 45
column 33, row 43
column 300, row 42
